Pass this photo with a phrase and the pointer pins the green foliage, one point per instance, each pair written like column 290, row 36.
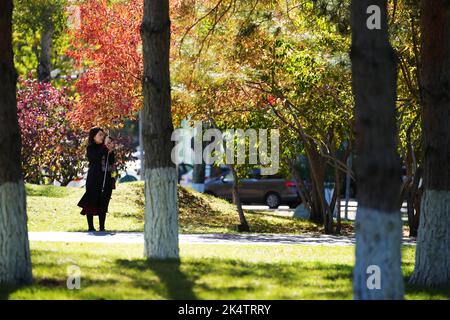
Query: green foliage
column 40, row 14
column 30, row 18
column 299, row 56
column 405, row 37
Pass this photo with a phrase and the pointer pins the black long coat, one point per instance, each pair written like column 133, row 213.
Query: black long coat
column 93, row 200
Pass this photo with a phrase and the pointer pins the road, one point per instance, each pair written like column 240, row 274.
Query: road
column 286, row 211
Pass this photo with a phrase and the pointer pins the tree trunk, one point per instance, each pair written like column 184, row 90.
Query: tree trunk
column 237, row 201
column 316, row 207
column 198, row 172
column 378, row 221
column 413, row 198
column 15, row 263
column 337, row 199
column 317, row 170
column 432, row 266
column 301, row 186
column 410, row 187
column 161, row 204
column 243, row 226
column 45, row 62
column 335, row 204
column 198, row 177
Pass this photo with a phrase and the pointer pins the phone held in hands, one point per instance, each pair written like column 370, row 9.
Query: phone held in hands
column 109, row 143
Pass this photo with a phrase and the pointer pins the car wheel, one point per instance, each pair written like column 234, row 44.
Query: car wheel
column 273, row 200
column 294, row 205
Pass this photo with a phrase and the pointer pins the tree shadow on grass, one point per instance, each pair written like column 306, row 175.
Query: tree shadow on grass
column 218, row 278
column 173, row 284
column 52, row 283
column 56, row 276
column 7, row 290
column 312, row 281
column 422, row 292
column 210, row 278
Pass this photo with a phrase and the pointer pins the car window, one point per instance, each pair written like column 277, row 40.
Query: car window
column 228, row 177
column 255, row 174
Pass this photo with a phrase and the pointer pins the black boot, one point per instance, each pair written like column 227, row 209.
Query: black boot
column 101, row 220
column 90, row 220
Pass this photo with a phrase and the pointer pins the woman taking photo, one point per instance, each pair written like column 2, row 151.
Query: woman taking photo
column 99, row 183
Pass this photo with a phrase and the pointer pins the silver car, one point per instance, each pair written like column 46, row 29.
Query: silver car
column 272, row 191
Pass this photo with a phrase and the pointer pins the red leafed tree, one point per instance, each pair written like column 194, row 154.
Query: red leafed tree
column 53, row 149
column 107, row 49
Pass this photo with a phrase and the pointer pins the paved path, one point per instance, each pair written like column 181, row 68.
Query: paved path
column 288, row 212
column 137, row 237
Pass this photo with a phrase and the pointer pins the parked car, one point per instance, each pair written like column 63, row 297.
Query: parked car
column 186, row 172
column 272, row 191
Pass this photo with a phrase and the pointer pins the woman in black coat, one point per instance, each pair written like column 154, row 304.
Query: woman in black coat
column 95, row 200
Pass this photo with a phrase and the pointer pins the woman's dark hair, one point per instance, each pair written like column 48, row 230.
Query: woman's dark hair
column 92, row 133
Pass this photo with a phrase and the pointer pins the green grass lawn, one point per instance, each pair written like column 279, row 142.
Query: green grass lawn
column 204, row 272
column 52, row 208
column 118, row 271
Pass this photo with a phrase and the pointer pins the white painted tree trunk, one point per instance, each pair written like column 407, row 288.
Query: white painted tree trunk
column 161, row 213
column 15, row 262
column 432, row 268
column 378, row 238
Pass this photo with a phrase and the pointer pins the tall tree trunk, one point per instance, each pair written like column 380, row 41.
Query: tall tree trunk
column 45, row 62
column 432, row 266
column 15, row 263
column 378, row 221
column 413, row 197
column 161, row 203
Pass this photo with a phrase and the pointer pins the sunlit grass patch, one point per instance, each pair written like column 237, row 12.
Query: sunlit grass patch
column 52, row 208
column 205, row 271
